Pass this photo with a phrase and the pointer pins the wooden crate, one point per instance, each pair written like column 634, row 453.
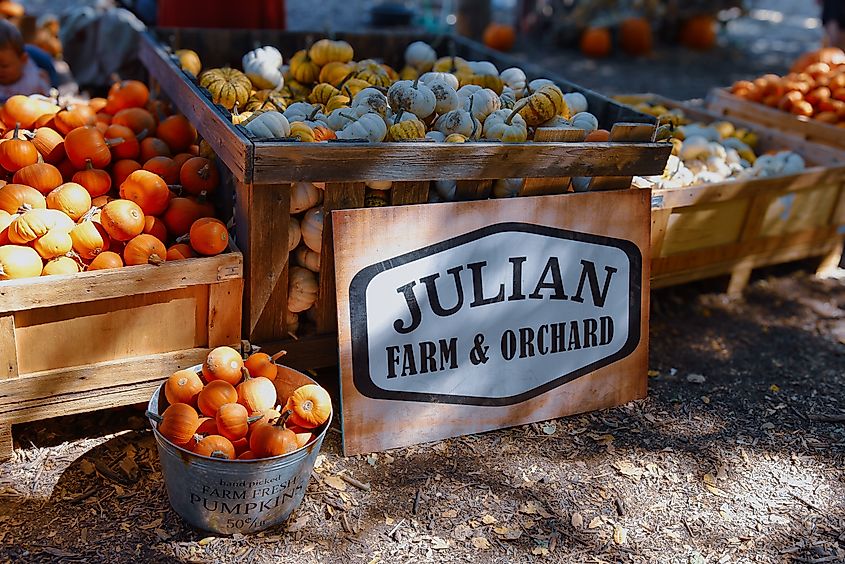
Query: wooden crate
column 732, row 227
column 262, row 171
column 722, row 102
column 100, row 339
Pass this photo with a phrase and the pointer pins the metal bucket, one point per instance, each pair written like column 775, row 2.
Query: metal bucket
column 236, row 496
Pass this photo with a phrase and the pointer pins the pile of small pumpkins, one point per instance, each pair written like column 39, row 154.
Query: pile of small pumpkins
column 323, row 94
column 705, row 153
column 814, row 88
column 635, row 36
column 236, row 409
column 102, row 183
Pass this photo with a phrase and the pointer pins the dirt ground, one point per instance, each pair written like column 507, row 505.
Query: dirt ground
column 737, row 455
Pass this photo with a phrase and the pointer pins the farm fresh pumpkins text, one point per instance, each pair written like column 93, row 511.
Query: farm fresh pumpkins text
column 495, row 316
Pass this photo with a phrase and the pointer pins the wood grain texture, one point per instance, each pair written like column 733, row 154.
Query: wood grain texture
column 378, row 424
column 551, row 185
column 414, row 192
column 466, row 190
column 347, row 162
column 232, row 146
column 623, row 133
column 7, row 446
column 225, row 313
column 8, row 347
column 31, row 293
column 308, row 352
column 338, row 196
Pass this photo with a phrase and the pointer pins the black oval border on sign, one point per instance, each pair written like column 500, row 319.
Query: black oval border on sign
column 358, row 315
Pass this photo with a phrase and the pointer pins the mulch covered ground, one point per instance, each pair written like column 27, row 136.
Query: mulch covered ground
column 737, row 455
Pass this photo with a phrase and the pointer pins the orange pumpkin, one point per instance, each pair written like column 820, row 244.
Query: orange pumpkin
column 180, row 159
column 232, row 421
column 183, row 386
column 17, row 153
column 699, row 33
column 89, row 239
column 123, row 142
column 144, row 249
column 122, row 219
column 106, row 260
column 127, row 94
column 154, row 226
column 165, row 167
column 153, row 147
column 97, row 182
column 50, row 144
column 595, row 42
column 71, row 117
column 310, row 406
column 635, row 36
column 272, row 439
column 43, row 177
column 138, row 120
column 247, row 455
column 86, row 143
column 261, row 364
column 148, row 190
column 17, row 198
column 208, row 425
column 215, row 394
column 499, row 37
column 214, row 446
column 24, row 110
column 256, row 394
column 67, row 169
column 180, row 215
column 199, row 175
column 122, row 169
column 180, row 251
column 209, row 236
column 598, row 136
column 178, row 423
column 70, row 198
column 177, row 132
column 60, row 265
column 223, row 363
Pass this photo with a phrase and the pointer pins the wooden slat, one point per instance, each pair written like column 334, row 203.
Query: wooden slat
column 311, row 352
column 230, row 145
column 624, row 133
column 18, row 295
column 551, row 185
column 8, row 348
column 262, row 219
column 224, row 313
column 473, row 190
column 7, row 447
column 348, row 162
column 338, row 196
column 659, row 225
column 403, row 193
column 59, row 392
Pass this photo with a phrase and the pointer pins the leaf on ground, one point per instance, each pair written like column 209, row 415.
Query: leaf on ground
column 604, row 440
column 595, row 523
column 709, row 479
column 653, row 373
column 335, row 482
column 620, row 534
column 461, row 532
column 550, row 428
column 87, row 467
column 449, row 514
column 152, row 525
column 577, row 520
column 389, row 520
column 372, row 459
column 488, row 519
column 206, row 540
column 298, row 524
column 716, row 491
column 696, row 378
column 438, row 543
column 533, row 508
column 481, row 543
column 540, row 551
column 774, row 388
column 129, row 468
column 629, row 469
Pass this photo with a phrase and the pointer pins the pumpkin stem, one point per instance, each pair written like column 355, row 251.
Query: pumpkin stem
column 283, row 418
column 278, row 355
column 314, row 114
column 89, row 164
column 245, row 372
column 254, row 418
column 24, row 208
column 219, row 454
column 114, row 141
column 516, row 108
column 154, row 416
column 142, row 134
column 87, row 216
column 155, row 260
column 416, row 83
column 204, row 172
column 343, row 115
column 346, row 79
column 17, row 130
column 184, row 238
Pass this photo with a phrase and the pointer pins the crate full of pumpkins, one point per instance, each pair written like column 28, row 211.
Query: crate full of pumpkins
column 102, row 183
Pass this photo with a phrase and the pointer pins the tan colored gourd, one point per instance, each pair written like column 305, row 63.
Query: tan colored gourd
column 302, row 289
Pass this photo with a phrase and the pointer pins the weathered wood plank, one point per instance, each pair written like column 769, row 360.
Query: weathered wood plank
column 473, row 190
column 338, row 196
column 230, row 145
column 311, row 352
column 224, row 313
column 551, row 184
column 8, row 347
column 624, row 133
column 7, row 446
column 353, row 162
column 403, row 193
column 18, row 295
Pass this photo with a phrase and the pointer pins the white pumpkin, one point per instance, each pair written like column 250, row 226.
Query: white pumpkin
column 368, row 126
column 506, row 126
column 446, row 77
column 302, row 289
column 507, row 187
column 483, row 68
column 538, row 83
column 269, row 125
column 585, row 121
column 458, row 121
column 301, row 111
column 420, row 55
column 307, row 258
column 557, row 122
column 370, row 100
column 446, row 189
column 446, row 97
column 294, row 234
column 467, row 90
column 436, row 136
column 339, row 118
column 412, row 96
column 304, row 195
column 515, row 79
column 379, row 184
column 262, row 67
column 507, row 98
column 312, row 229
column 482, row 103
column 576, row 102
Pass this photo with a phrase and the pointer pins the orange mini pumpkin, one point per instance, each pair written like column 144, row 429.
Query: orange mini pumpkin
column 310, row 406
column 177, row 132
column 122, row 219
column 272, row 439
column 84, row 144
column 214, row 446
column 180, row 251
column 106, row 260
column 223, row 363
column 209, row 236
column 183, row 386
column 96, row 181
column 199, row 175
column 17, row 153
column 148, row 190
column 178, row 423
column 153, row 147
column 127, row 94
column 44, row 177
column 165, row 167
column 122, row 169
column 595, row 42
column 144, row 249
column 635, row 36
column 215, row 394
column 180, row 215
column 154, row 226
column 123, row 142
column 499, row 37
column 138, row 120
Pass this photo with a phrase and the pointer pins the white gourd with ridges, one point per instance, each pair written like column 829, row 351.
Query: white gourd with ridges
column 307, row 258
column 515, row 79
column 262, row 67
column 269, row 125
column 302, row 289
column 312, row 229
column 303, row 195
column 294, row 234
column 420, row 55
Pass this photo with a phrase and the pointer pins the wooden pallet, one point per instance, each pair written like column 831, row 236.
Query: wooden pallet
column 262, row 171
column 722, row 102
column 730, row 228
column 106, row 338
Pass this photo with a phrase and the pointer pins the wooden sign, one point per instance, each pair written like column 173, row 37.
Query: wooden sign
column 464, row 317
